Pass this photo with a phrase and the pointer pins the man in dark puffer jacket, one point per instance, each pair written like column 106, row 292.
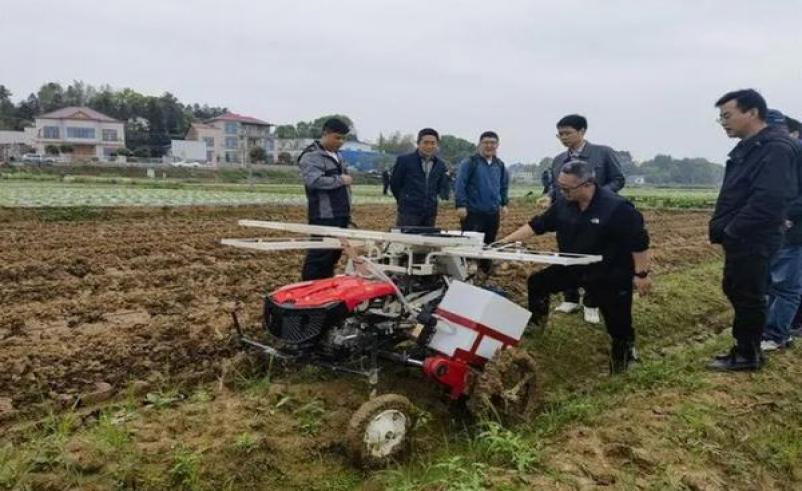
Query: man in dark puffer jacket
column 760, row 181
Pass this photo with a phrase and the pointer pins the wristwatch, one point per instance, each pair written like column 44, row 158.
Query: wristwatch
column 642, row 274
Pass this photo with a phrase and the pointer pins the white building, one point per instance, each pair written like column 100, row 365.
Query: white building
column 189, row 150
column 89, row 133
column 13, row 144
column 290, row 147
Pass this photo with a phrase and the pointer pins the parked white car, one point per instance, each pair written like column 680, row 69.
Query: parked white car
column 183, row 163
column 35, row 158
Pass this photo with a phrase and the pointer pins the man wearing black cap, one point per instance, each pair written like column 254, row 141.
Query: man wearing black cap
column 328, row 194
column 593, row 220
column 760, row 181
column 417, row 180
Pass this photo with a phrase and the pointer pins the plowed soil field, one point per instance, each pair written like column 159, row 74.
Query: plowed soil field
column 144, row 296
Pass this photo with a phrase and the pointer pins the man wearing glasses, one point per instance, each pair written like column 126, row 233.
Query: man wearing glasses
column 607, row 168
column 592, row 219
column 760, row 181
column 480, row 192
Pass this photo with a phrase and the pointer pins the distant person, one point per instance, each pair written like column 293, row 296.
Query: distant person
column 760, row 181
column 608, row 175
column 593, row 220
column 328, row 194
column 481, row 191
column 418, row 178
column 545, row 181
column 385, row 181
column 785, row 267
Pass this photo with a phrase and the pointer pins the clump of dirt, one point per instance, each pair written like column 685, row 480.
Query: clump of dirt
column 79, row 267
column 507, row 387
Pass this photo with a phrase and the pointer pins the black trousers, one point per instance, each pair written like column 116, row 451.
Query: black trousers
column 486, row 223
column 320, row 263
column 745, row 283
column 613, row 297
column 415, row 220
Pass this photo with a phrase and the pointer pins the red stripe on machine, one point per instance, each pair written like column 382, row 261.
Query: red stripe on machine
column 482, row 329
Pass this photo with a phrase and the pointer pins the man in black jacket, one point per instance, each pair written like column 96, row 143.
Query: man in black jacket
column 785, row 267
column 593, row 220
column 417, row 180
column 608, row 174
column 760, row 181
column 328, row 194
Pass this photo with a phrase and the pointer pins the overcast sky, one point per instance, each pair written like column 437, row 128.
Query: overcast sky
column 645, row 73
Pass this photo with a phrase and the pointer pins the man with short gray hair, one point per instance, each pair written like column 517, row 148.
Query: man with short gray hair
column 593, row 220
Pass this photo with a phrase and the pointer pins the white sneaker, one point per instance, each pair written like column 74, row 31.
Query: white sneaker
column 592, row 315
column 769, row 345
column 567, row 308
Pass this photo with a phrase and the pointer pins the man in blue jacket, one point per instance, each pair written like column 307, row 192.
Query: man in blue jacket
column 480, row 192
column 418, row 178
column 760, row 181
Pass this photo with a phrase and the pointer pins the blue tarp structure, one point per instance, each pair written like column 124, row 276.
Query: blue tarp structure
column 363, row 161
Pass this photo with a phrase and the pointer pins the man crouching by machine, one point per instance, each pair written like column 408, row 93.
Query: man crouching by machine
column 593, row 220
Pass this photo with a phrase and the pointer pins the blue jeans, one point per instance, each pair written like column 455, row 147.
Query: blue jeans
column 784, row 292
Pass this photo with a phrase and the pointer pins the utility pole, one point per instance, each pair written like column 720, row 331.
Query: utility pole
column 245, row 160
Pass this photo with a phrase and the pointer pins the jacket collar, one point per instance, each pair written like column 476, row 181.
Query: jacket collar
column 435, row 158
column 767, row 134
column 478, row 156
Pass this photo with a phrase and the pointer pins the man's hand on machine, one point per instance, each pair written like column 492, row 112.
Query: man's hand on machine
column 357, row 260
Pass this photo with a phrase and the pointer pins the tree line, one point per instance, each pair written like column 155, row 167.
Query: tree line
column 660, row 170
column 151, row 121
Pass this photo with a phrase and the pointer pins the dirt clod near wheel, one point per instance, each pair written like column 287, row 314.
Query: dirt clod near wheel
column 507, row 387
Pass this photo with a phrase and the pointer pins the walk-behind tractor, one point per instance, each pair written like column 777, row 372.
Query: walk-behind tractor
column 407, row 297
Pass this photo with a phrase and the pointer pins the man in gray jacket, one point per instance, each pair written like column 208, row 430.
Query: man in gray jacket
column 328, row 194
column 608, row 174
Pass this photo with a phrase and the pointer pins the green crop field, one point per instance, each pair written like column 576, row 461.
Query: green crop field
column 120, row 191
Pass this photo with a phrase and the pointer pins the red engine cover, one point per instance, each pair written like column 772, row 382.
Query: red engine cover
column 349, row 289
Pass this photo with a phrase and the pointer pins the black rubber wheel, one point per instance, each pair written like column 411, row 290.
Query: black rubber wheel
column 380, row 431
column 506, row 389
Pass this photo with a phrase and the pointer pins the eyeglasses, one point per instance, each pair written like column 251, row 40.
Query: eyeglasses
column 566, row 190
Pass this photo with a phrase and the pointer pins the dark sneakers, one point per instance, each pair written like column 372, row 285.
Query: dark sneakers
column 622, row 355
column 735, row 361
column 540, row 313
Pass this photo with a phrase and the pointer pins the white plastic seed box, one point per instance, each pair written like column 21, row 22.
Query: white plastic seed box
column 477, row 322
